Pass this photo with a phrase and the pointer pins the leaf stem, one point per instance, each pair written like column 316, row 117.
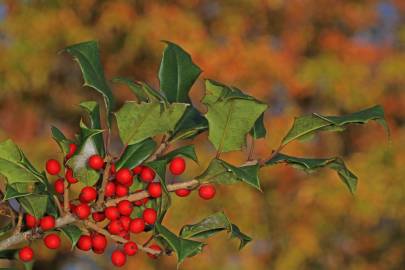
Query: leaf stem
column 106, row 176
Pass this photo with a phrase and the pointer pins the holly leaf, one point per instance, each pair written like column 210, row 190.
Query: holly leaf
column 137, row 122
column 187, row 151
column 177, row 73
column 136, row 88
column 60, row 139
column 78, row 162
column 212, row 225
column 258, row 131
column 13, row 192
column 93, row 110
column 34, row 204
column 136, row 154
column 231, row 115
column 182, row 247
column 88, row 56
column 72, row 232
column 191, row 124
column 305, row 126
column 311, row 164
column 8, row 253
column 221, row 172
column 16, row 167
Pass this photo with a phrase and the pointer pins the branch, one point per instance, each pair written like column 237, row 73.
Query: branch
column 106, row 176
column 66, row 196
column 162, row 147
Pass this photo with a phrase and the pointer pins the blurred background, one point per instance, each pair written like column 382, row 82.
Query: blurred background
column 299, row 56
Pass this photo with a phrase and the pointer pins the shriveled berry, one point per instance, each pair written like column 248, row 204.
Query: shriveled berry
column 47, row 223
column 155, row 190
column 118, row 258
column 124, row 176
column 183, row 192
column 147, row 174
column 26, row 254
column 207, row 192
column 30, row 221
column 88, row 194
column 149, row 215
column 115, row 227
column 98, row 242
column 137, row 225
column 96, row 162
column 59, row 186
column 112, row 213
column 72, row 150
column 130, row 248
column 82, row 211
column 154, row 247
column 121, row 190
column 177, row 166
column 52, row 241
column 109, row 189
column 125, row 207
column 52, row 166
column 69, row 176
column 84, row 243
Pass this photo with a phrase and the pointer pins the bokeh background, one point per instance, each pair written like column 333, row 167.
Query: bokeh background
column 299, row 56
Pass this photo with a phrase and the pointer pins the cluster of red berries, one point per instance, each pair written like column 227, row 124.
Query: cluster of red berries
column 121, row 221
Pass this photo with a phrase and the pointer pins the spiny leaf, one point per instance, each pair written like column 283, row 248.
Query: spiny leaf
column 34, row 204
column 221, row 172
column 182, row 247
column 135, row 154
column 310, row 164
column 258, row 131
column 191, row 124
column 88, row 56
column 142, row 91
column 60, row 139
column 177, row 73
column 137, row 122
column 306, row 125
column 72, row 232
column 187, row 151
column 212, row 225
column 231, row 115
column 93, row 110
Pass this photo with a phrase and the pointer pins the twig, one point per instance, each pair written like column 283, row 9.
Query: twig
column 252, row 149
column 19, row 222
column 61, row 211
column 106, row 176
column 66, row 196
column 162, row 147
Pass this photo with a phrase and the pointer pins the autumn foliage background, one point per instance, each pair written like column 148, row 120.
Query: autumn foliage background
column 299, row 56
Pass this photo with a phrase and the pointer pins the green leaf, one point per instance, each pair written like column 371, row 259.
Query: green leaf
column 221, row 172
column 8, row 253
column 12, row 192
column 34, row 204
column 258, row 131
column 78, row 162
column 187, row 151
column 135, row 154
column 191, row 124
column 137, row 122
column 136, row 88
column 4, row 229
column 88, row 56
column 72, row 232
column 60, row 139
column 15, row 166
column 231, row 115
column 310, row 164
column 93, row 110
column 212, row 225
column 305, row 126
column 182, row 247
column 177, row 73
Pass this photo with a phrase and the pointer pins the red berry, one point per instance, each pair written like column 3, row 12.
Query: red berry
column 207, row 192
column 52, row 241
column 98, row 216
column 154, row 247
column 72, row 150
column 141, row 202
column 124, row 176
column 30, row 221
column 82, row 211
column 137, row 169
column 130, row 248
column 149, row 215
column 72, row 207
column 98, row 251
column 112, row 213
column 115, row 227
column 59, row 186
column 125, row 221
column 98, row 242
column 69, row 176
column 124, row 234
column 84, row 243
column 118, row 258
column 155, row 190
column 88, row 194
column 26, row 254
column 183, row 192
column 137, row 225
column 96, row 162
column 109, row 189
column 52, row 166
column 121, row 190
column 47, row 223
column 125, row 207
column 177, row 166
column 112, row 169
column 147, row 174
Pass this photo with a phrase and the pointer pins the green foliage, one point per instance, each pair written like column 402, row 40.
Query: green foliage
column 72, row 232
column 60, row 139
column 93, row 110
column 187, row 151
column 231, row 115
column 135, row 154
column 259, row 130
column 35, row 204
